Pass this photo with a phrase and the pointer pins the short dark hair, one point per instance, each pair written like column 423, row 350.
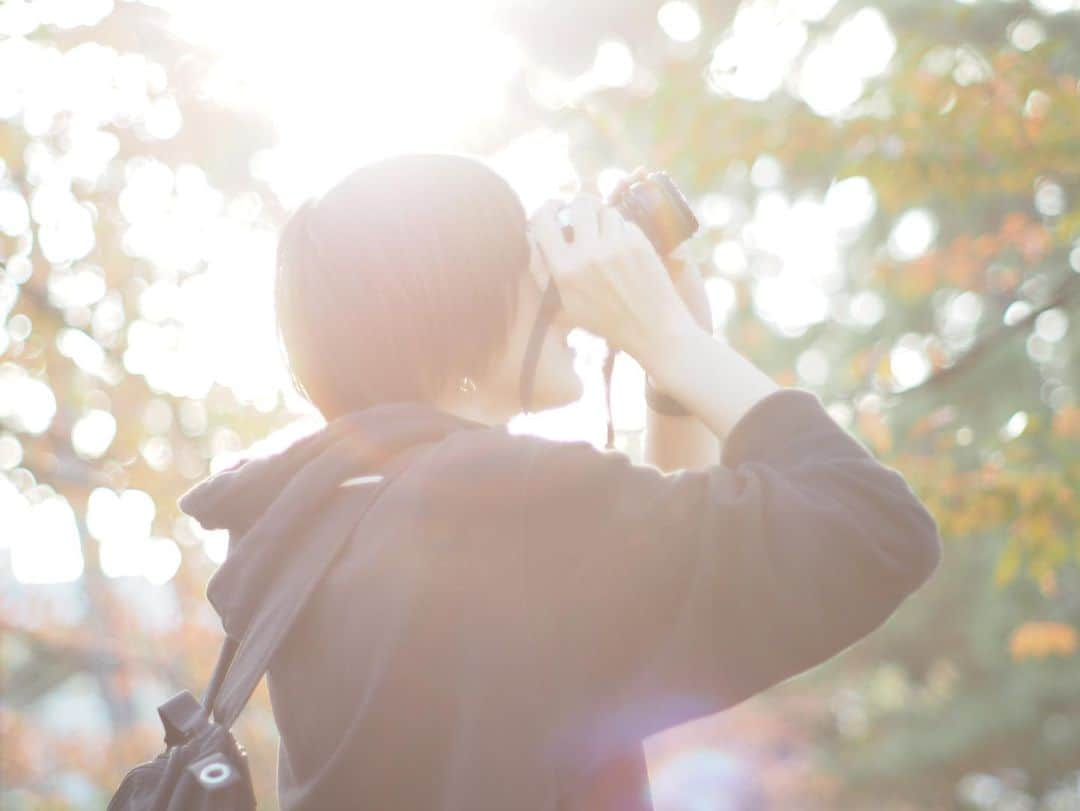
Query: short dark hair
column 401, row 279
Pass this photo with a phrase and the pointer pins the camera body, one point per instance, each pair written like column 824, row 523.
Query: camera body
column 653, row 203
column 656, row 206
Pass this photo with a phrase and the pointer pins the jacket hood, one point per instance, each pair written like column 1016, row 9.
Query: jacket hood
column 263, row 502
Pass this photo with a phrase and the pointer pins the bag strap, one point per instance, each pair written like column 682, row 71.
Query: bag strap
column 242, row 663
column 183, row 715
column 217, row 678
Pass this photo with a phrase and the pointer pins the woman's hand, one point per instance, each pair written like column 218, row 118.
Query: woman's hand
column 610, row 279
column 684, row 271
column 690, row 285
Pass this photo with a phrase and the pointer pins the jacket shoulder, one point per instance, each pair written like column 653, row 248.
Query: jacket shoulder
column 496, row 470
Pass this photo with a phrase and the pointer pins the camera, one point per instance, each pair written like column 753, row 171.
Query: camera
column 658, row 208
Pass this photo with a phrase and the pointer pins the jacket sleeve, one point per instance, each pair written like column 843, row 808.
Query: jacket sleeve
column 663, row 597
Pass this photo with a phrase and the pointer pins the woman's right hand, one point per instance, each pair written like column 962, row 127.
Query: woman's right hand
column 610, row 279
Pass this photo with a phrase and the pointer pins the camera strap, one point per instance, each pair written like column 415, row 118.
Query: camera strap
column 549, row 305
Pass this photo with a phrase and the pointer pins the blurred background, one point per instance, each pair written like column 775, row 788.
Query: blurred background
column 890, row 201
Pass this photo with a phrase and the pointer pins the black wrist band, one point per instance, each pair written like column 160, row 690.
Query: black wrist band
column 662, row 403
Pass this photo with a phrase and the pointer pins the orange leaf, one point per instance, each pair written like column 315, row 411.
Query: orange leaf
column 1067, row 422
column 1038, row 640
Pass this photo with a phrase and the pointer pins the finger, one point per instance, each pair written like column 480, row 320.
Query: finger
column 585, row 218
column 547, row 232
column 626, row 181
column 617, row 190
column 620, row 187
column 638, row 242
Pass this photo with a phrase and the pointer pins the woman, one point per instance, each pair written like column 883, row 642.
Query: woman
column 514, row 615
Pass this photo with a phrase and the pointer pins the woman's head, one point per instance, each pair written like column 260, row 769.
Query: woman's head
column 407, row 276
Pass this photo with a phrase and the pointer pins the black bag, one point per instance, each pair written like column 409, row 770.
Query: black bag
column 203, row 768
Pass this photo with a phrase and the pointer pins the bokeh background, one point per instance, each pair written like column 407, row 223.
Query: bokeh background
column 890, row 199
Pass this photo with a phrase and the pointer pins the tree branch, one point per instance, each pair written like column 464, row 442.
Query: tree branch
column 1066, row 292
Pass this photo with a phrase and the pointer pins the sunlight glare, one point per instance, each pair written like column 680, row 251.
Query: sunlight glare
column 92, row 433
column 44, row 539
column 121, row 523
column 908, row 362
column 614, row 64
column 679, row 20
column 835, row 72
column 850, row 203
column 912, row 235
column 27, row 405
column 345, row 83
column 160, row 561
column 753, row 59
column 537, row 164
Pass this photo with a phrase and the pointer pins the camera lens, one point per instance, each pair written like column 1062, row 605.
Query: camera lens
column 660, row 210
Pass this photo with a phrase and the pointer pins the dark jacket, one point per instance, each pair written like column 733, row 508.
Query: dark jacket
column 515, row 614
